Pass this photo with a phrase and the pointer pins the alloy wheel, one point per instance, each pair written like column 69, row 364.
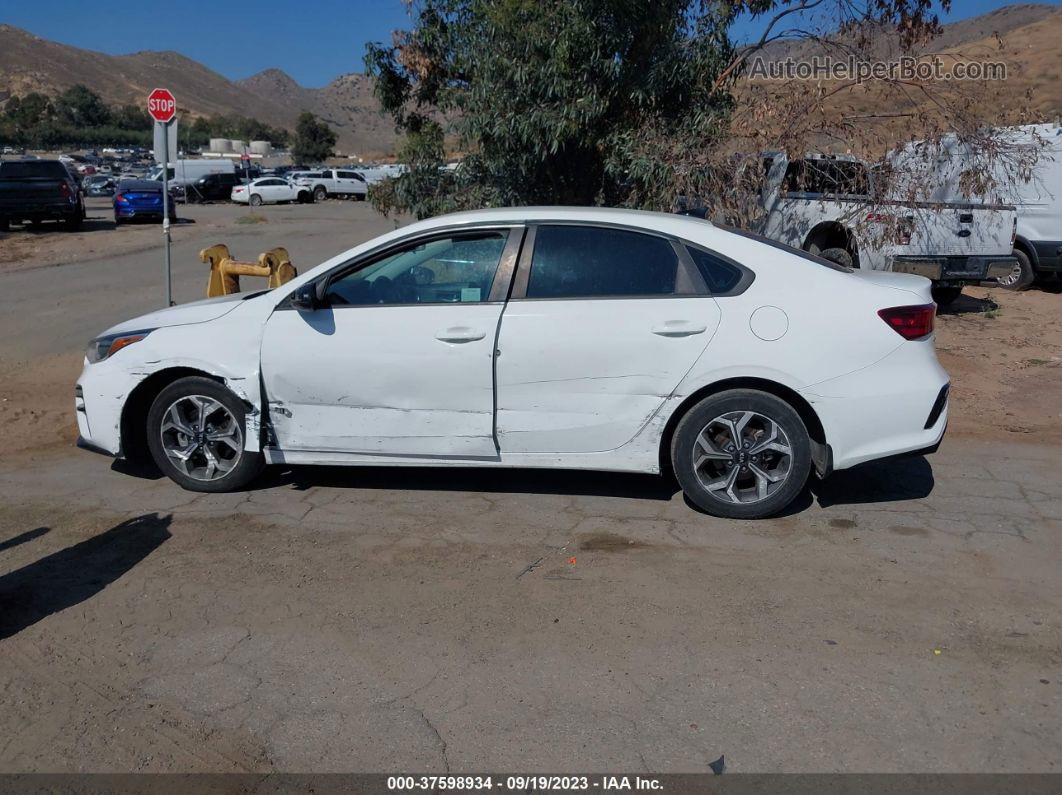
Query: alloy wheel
column 742, row 457
column 1011, row 278
column 201, row 437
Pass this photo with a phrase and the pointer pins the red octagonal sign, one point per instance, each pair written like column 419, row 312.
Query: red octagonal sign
column 161, row 105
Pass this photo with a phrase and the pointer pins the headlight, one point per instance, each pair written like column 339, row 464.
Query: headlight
column 102, row 347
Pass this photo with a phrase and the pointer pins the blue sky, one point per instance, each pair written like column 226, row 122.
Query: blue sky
column 312, row 40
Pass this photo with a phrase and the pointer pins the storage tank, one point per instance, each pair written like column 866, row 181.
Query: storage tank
column 237, row 146
column 261, row 148
column 220, row 145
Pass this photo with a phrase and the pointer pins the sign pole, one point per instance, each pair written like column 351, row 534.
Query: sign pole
column 163, row 109
column 166, row 207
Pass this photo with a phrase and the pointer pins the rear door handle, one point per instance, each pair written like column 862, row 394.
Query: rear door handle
column 679, row 328
column 460, row 334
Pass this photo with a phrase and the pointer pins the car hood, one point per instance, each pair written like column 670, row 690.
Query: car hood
column 183, row 314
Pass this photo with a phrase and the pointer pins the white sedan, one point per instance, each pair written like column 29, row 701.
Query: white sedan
column 270, row 190
column 574, row 338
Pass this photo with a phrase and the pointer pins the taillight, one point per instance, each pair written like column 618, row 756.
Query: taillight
column 64, row 189
column 120, row 198
column 910, row 322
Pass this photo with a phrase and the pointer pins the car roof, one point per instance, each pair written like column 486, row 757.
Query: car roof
column 668, row 223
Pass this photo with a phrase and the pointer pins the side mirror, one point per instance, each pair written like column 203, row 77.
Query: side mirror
column 305, row 298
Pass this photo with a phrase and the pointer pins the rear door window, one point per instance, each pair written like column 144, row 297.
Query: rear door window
column 599, row 262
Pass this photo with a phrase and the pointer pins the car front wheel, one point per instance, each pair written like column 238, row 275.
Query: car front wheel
column 741, row 454
column 195, row 431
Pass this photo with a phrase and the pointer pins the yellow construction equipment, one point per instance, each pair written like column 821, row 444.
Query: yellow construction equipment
column 225, row 272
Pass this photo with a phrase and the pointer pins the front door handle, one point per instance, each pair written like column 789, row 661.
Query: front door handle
column 460, row 334
column 679, row 328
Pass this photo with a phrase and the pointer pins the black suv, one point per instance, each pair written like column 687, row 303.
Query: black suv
column 38, row 190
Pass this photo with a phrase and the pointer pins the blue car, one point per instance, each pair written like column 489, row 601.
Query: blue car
column 139, row 198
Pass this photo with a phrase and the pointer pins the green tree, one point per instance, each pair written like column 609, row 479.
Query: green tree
column 80, row 106
column 25, row 112
column 314, row 140
column 547, row 98
column 577, row 101
column 131, row 117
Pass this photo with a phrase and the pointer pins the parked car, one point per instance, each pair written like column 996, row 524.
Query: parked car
column 140, row 199
column 213, row 187
column 338, row 182
column 579, row 338
column 39, row 190
column 270, row 190
column 99, row 185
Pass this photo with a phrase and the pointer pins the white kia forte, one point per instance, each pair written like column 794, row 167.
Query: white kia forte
column 573, row 338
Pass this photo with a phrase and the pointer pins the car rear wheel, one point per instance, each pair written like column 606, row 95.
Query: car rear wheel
column 741, row 454
column 319, row 194
column 256, row 200
column 1023, row 275
column 195, row 432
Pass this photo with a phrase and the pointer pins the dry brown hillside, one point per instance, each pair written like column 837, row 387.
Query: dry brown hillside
column 1027, row 38
column 29, row 63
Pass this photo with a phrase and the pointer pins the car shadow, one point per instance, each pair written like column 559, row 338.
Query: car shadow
column 967, row 304
column 888, row 480
column 77, row 573
column 472, row 479
column 891, row 480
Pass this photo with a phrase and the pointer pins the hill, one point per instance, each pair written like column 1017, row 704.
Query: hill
column 29, row 63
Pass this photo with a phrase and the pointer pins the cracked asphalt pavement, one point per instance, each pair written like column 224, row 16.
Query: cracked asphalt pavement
column 902, row 617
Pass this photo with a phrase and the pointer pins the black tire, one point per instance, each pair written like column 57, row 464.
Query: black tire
column 360, row 197
column 946, row 295
column 767, row 406
column 255, row 200
column 117, row 220
column 5, row 224
column 839, row 255
column 245, row 469
column 305, row 197
column 1022, row 277
column 319, row 193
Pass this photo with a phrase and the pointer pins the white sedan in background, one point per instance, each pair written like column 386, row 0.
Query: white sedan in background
column 270, row 190
column 574, row 338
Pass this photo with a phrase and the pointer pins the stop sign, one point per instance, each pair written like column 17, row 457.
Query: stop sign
column 161, row 105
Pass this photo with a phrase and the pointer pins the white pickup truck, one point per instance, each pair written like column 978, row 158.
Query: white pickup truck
column 1036, row 194
column 820, row 204
column 338, row 182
